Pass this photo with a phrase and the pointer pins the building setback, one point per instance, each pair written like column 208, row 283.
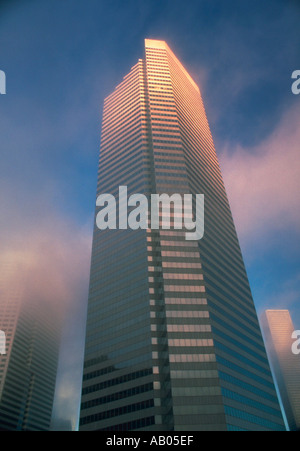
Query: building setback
column 173, row 341
column 278, row 329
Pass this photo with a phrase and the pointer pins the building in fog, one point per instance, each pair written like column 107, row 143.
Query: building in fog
column 278, row 330
column 28, row 367
column 173, row 341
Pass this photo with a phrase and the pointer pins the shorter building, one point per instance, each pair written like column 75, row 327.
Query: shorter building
column 29, row 365
column 279, row 330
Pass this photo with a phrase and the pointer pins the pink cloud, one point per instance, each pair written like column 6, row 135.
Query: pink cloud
column 52, row 257
column 263, row 182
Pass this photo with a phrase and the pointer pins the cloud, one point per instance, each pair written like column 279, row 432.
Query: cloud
column 263, row 182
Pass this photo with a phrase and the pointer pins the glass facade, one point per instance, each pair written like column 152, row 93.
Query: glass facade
column 28, row 368
column 173, row 341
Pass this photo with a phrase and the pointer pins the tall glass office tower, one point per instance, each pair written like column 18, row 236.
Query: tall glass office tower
column 173, row 341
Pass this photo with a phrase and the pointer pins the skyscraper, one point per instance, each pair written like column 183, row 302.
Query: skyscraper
column 28, row 367
column 173, row 340
column 278, row 330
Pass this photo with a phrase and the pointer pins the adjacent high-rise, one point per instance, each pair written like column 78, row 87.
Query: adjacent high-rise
column 173, row 341
column 29, row 365
column 278, row 329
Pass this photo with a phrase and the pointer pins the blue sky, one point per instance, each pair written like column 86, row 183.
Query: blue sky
column 62, row 59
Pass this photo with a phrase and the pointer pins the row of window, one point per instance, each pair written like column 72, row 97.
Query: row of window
column 190, row 342
column 183, row 276
column 117, row 412
column 185, row 254
column 186, row 314
column 194, row 374
column 197, row 391
column 185, row 301
column 167, row 184
column 112, row 382
column 185, row 288
column 178, row 301
column 97, row 373
column 165, row 117
column 166, row 141
column 192, row 358
column 173, row 240
column 178, row 276
column 175, row 159
column 117, row 396
column 95, row 361
column 164, row 166
column 131, row 425
column 188, row 328
column 181, row 265
column 156, row 134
